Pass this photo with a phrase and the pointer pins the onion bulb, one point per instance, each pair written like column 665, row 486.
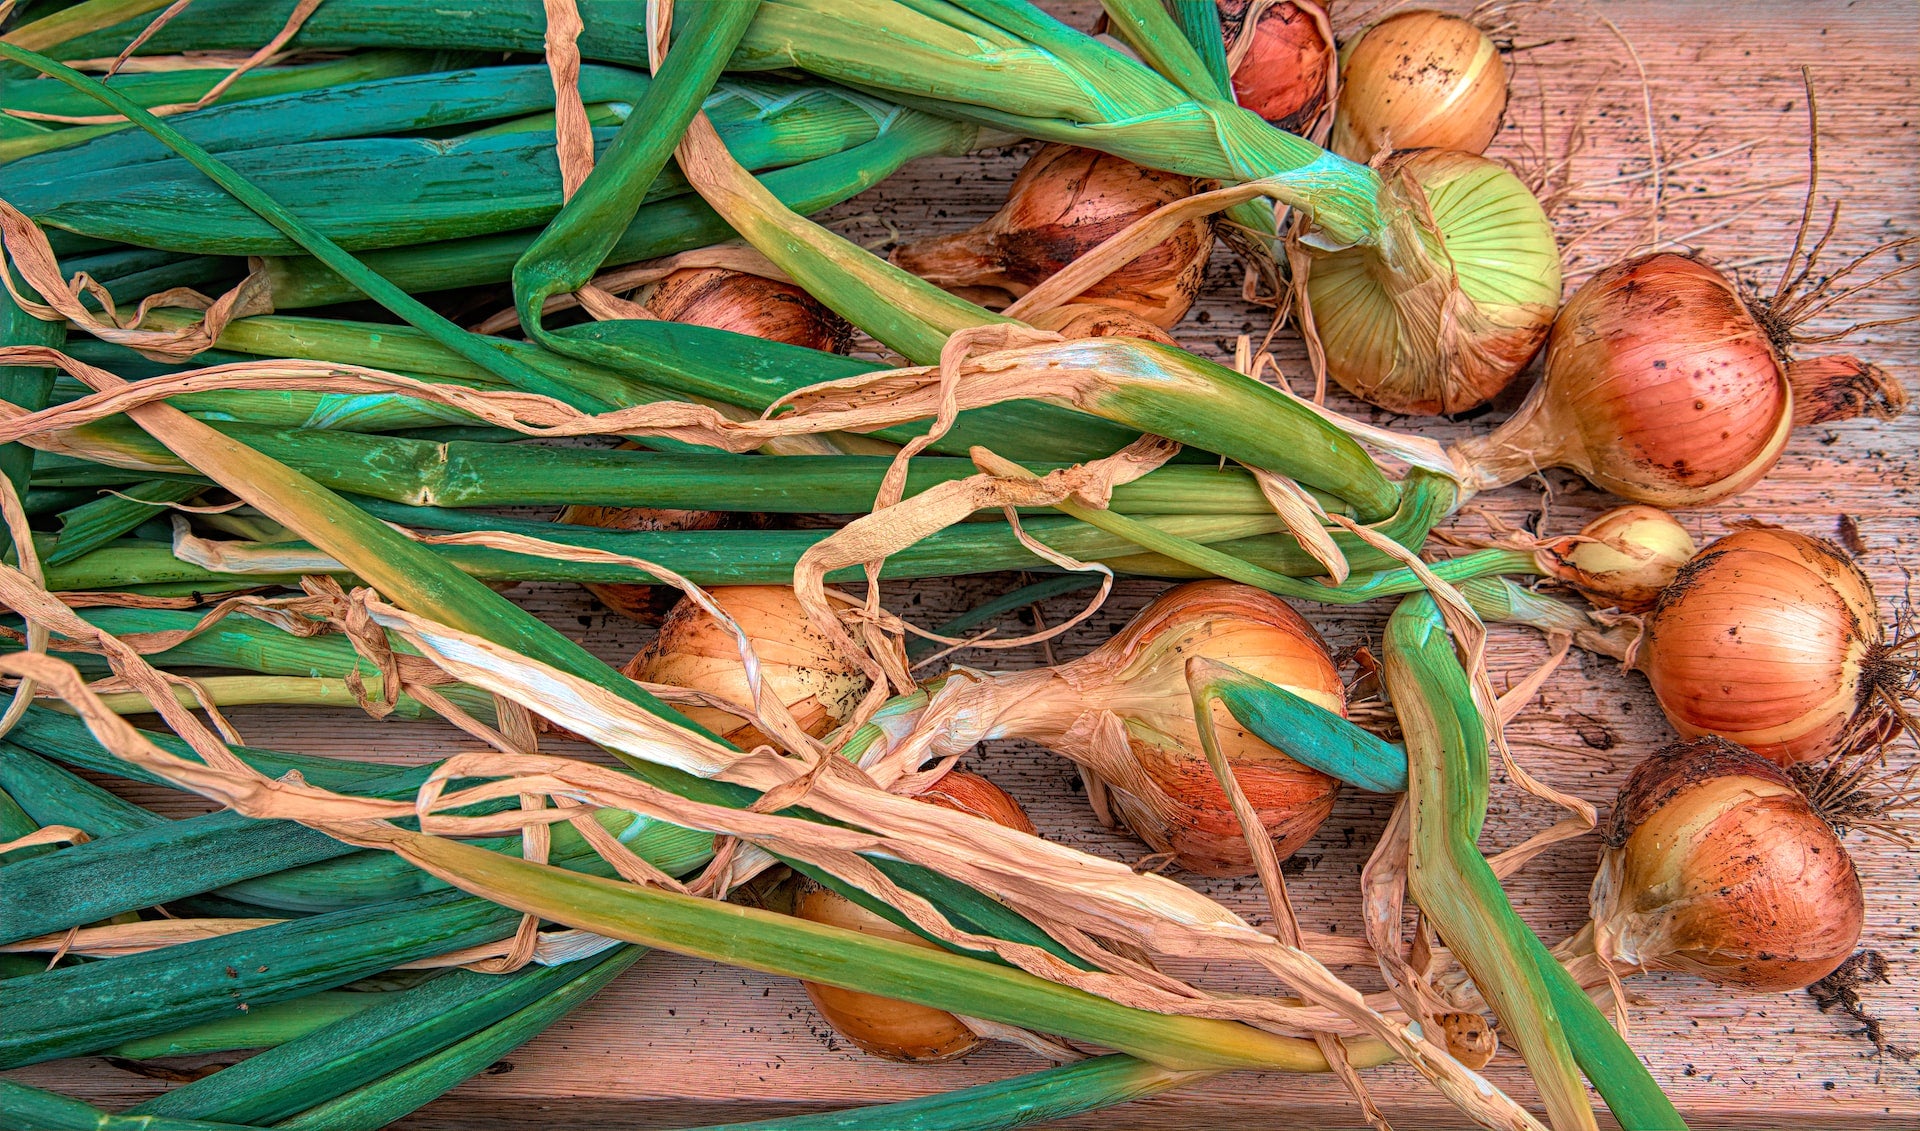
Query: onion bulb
column 1124, row 712
column 1445, row 316
column 1771, row 639
column 751, row 304
column 798, row 664
column 1418, row 80
column 885, row 1027
column 1716, row 864
column 1623, row 558
column 1282, row 56
column 1065, row 202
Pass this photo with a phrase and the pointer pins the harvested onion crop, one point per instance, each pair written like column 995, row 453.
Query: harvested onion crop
column 1623, row 558
column 1419, row 80
column 1281, row 55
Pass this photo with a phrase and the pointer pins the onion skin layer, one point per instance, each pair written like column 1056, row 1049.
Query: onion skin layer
column 1447, row 321
column 885, row 1027
column 1284, row 66
column 1419, row 79
column 1660, row 386
column 1065, row 202
column 801, row 667
column 1125, row 713
column 1716, row 864
column 1769, row 638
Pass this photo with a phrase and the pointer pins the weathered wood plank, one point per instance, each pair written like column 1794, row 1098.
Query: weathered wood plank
column 679, row 1041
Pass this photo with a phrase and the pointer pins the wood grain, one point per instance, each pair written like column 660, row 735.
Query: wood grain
column 678, row 1041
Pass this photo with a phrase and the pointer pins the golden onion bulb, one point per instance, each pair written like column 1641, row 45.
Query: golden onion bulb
column 1716, row 864
column 798, row 664
column 1623, row 558
column 1157, row 775
column 1771, row 639
column 1445, row 319
column 1065, row 202
column 886, row 1027
column 1419, row 80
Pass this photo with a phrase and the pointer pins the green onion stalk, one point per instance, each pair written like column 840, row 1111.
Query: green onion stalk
column 1540, row 1006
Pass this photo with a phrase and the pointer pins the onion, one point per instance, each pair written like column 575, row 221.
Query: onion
column 749, row 304
column 1124, row 712
column 1664, row 385
column 798, row 664
column 1065, row 202
column 1429, row 332
column 1771, row 639
column 1716, row 864
column 1419, row 79
column 1622, row 559
column 1282, row 56
column 899, row 1030
column 1092, row 320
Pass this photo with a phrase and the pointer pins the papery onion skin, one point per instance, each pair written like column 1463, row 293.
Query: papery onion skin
column 1428, row 332
column 1065, row 202
column 1769, row 638
column 1716, row 864
column 1842, row 387
column 1159, row 780
column 885, row 1027
column 1624, row 558
column 1660, row 386
column 1093, row 320
column 1283, row 69
column 1415, row 80
column 749, row 304
column 801, row 667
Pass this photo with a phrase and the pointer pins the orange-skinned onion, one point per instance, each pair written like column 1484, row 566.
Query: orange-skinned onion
column 1282, row 57
column 1124, row 712
column 1419, row 80
column 1771, row 639
column 885, row 1027
column 1660, row 386
column 1623, row 558
column 749, row 304
column 1065, row 202
column 800, row 666
column 1422, row 330
column 1716, row 864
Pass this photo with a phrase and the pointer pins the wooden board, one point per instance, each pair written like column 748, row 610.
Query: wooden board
column 679, row 1041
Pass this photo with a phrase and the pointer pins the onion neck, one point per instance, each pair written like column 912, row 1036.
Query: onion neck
column 1531, row 440
column 962, row 259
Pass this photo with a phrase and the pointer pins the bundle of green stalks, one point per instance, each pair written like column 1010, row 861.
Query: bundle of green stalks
column 322, row 874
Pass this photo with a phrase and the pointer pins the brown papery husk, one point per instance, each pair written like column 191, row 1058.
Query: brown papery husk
column 1623, row 559
column 1094, row 320
column 1842, row 387
column 801, row 667
column 1415, row 80
column 885, row 1027
column 1125, row 712
column 1398, row 327
column 749, row 304
column 1066, row 201
column 1660, row 386
column 1716, row 864
column 1282, row 57
column 1771, row 639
